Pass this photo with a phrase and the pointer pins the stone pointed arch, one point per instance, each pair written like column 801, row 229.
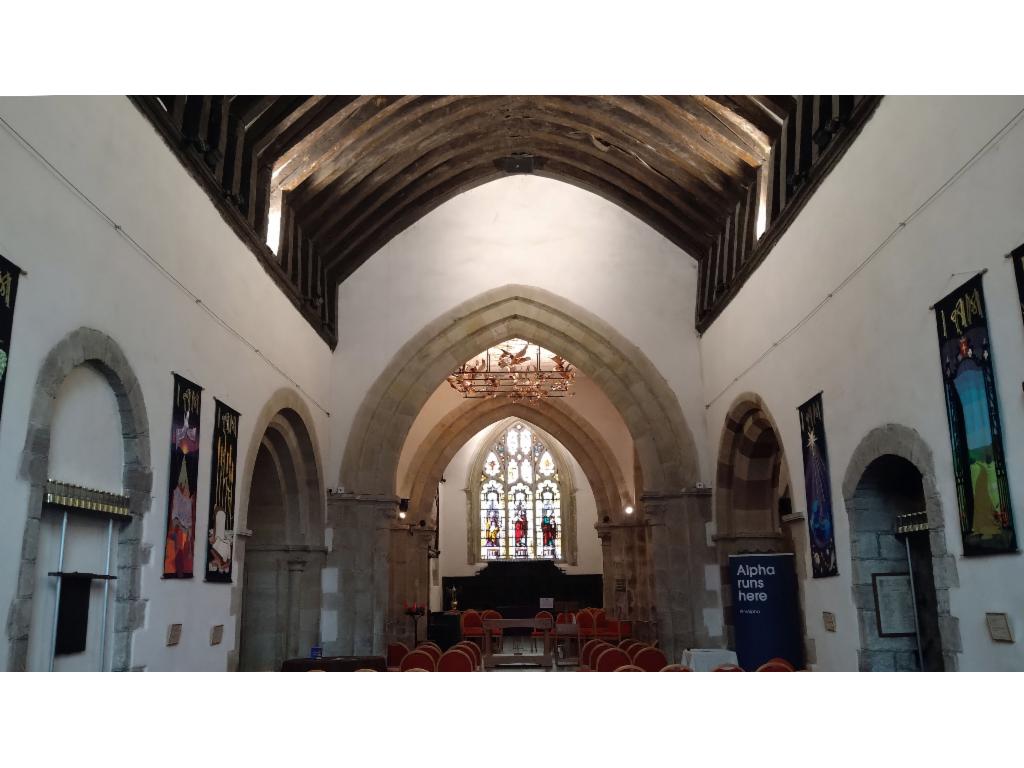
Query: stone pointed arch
column 907, row 444
column 578, row 436
column 285, row 427
column 86, row 347
column 663, row 440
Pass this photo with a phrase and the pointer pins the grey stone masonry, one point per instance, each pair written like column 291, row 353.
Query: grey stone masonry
column 678, row 552
column 92, row 348
column 362, row 528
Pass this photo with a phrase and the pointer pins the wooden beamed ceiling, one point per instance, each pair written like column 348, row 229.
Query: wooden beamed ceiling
column 346, row 174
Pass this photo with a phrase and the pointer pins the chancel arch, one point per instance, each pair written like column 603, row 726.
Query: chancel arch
column 77, row 360
column 889, row 491
column 284, row 549
column 663, row 442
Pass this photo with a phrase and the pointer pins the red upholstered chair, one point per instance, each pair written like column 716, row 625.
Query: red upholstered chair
column 587, row 652
column 650, row 659
column 610, row 659
column 540, row 632
column 495, row 633
column 431, row 648
column 473, row 650
column 585, row 620
column 631, row 644
column 675, row 668
column 628, row 668
column 635, row 649
column 455, row 660
column 624, row 644
column 727, row 668
column 396, row 652
column 418, row 659
column 775, row 665
column 416, row 669
column 470, row 624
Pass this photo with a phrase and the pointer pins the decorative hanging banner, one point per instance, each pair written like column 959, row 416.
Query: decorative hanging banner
column 220, row 536
column 818, row 485
column 979, row 466
column 9, row 275
column 1017, row 257
column 179, row 548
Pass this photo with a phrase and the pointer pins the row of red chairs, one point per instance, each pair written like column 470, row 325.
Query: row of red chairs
column 464, row 656
column 592, row 623
column 634, row 656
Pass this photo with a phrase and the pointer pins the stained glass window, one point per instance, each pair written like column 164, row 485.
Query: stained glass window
column 520, row 499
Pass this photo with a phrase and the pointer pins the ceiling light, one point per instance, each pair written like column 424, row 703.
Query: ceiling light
column 515, row 369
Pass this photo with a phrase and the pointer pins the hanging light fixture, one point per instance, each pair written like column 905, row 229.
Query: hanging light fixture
column 515, row 369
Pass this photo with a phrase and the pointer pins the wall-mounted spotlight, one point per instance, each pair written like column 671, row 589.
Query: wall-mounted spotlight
column 628, row 510
column 401, row 515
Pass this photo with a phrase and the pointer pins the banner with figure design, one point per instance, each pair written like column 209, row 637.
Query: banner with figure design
column 818, row 485
column 9, row 275
column 183, row 479
column 975, row 432
column 221, row 525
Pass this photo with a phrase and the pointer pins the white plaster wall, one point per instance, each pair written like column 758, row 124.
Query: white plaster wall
column 525, row 230
column 86, row 447
column 873, row 349
column 453, row 517
column 82, row 273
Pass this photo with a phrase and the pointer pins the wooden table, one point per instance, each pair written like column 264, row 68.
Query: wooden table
column 492, row 660
column 568, row 632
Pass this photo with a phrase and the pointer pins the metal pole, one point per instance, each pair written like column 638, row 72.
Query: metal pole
column 106, row 596
column 56, row 605
column 913, row 597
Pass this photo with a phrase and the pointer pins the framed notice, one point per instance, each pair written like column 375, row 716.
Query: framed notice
column 894, row 604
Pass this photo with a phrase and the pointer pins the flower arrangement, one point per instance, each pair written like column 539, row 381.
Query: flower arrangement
column 416, row 609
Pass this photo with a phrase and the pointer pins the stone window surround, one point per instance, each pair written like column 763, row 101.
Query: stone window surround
column 566, row 486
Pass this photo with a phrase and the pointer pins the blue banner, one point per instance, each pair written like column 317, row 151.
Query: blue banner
column 766, row 609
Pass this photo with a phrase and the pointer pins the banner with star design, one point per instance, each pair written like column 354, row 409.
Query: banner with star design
column 818, row 485
column 9, row 275
column 975, row 431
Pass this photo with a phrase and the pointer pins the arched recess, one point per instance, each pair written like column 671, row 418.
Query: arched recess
column 278, row 594
column 88, row 347
column 578, row 436
column 628, row 378
column 892, row 472
column 753, row 495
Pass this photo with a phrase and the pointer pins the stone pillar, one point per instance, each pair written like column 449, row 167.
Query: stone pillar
column 410, row 580
column 625, row 573
column 356, row 574
column 684, row 572
column 292, row 627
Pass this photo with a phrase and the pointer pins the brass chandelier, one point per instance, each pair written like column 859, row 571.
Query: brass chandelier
column 515, row 369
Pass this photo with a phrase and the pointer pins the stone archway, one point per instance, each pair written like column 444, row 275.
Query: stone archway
column 622, row 536
column 86, row 347
column 676, row 517
column 278, row 593
column 891, row 472
column 752, row 482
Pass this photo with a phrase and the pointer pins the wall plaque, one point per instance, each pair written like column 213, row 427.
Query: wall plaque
column 999, row 627
column 216, row 634
column 173, row 634
column 829, row 620
column 894, row 604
